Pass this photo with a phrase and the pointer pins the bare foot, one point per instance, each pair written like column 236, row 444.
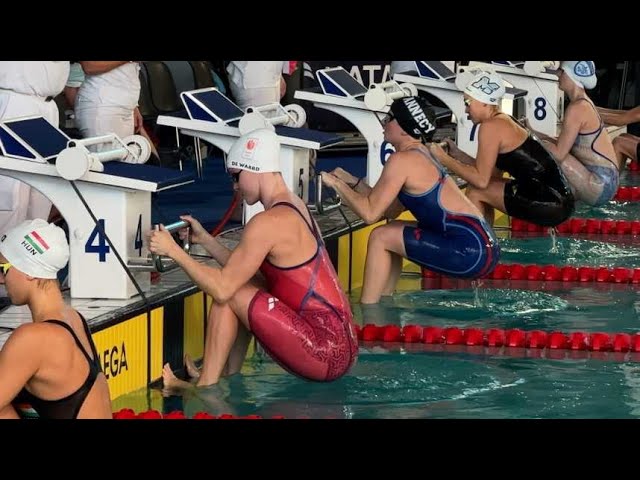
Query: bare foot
column 171, row 382
column 190, row 365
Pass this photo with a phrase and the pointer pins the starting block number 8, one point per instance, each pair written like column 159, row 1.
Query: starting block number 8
column 540, row 111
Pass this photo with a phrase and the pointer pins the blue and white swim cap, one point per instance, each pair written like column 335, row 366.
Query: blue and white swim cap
column 582, row 72
column 486, row 87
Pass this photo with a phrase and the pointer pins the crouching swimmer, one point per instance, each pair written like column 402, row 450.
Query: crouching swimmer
column 299, row 313
column 450, row 235
column 538, row 191
column 584, row 149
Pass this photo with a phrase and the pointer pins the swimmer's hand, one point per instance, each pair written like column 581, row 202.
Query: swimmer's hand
column 452, row 147
column 329, row 179
column 162, row 243
column 437, row 151
column 345, row 176
column 198, row 232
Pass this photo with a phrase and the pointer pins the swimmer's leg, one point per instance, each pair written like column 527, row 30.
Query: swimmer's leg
column 626, row 146
column 227, row 336
column 488, row 199
column 385, row 251
column 586, row 185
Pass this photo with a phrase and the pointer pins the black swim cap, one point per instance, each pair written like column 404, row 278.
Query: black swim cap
column 415, row 116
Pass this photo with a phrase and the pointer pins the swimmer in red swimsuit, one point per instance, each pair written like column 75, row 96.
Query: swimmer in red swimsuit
column 297, row 310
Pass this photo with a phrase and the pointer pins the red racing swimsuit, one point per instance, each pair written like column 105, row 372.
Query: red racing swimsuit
column 304, row 320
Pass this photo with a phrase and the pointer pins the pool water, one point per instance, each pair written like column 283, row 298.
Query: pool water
column 609, row 211
column 574, row 250
column 563, row 307
column 629, row 178
column 421, row 385
column 614, row 210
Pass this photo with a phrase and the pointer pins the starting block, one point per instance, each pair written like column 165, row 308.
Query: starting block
column 118, row 194
column 342, row 94
column 438, row 80
column 214, row 118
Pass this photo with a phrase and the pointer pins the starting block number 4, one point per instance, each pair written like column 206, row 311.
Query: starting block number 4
column 97, row 242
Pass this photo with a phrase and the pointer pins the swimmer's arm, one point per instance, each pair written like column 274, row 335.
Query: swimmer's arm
column 619, row 117
column 538, row 134
column 379, row 200
column 569, row 132
column 602, row 110
column 241, row 266
column 96, row 68
column 395, row 209
column 221, row 253
column 478, row 174
column 544, row 136
column 218, row 251
column 459, row 155
column 20, row 359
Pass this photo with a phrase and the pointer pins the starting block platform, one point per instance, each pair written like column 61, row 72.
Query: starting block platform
column 31, row 138
column 214, row 118
column 342, row 94
column 118, row 195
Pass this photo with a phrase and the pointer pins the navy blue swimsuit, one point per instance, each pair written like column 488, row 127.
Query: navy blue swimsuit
column 454, row 244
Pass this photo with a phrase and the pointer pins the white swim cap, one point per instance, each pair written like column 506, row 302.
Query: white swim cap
column 486, row 87
column 582, row 72
column 257, row 151
column 36, row 248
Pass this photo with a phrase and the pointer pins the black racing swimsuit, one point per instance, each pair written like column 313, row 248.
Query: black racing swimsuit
column 69, row 406
column 539, row 192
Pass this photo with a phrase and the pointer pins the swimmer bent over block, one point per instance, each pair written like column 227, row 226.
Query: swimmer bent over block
column 297, row 311
column 450, row 235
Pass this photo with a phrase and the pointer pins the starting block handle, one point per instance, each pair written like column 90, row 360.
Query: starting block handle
column 92, row 141
column 76, row 160
column 318, row 206
column 273, row 108
column 535, row 67
column 444, row 146
column 158, row 259
column 109, row 155
column 292, row 115
column 378, row 97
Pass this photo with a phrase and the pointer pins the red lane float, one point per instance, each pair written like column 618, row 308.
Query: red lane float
column 509, row 338
column 495, row 337
column 554, row 273
column 129, row 414
column 582, row 225
column 627, row 194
